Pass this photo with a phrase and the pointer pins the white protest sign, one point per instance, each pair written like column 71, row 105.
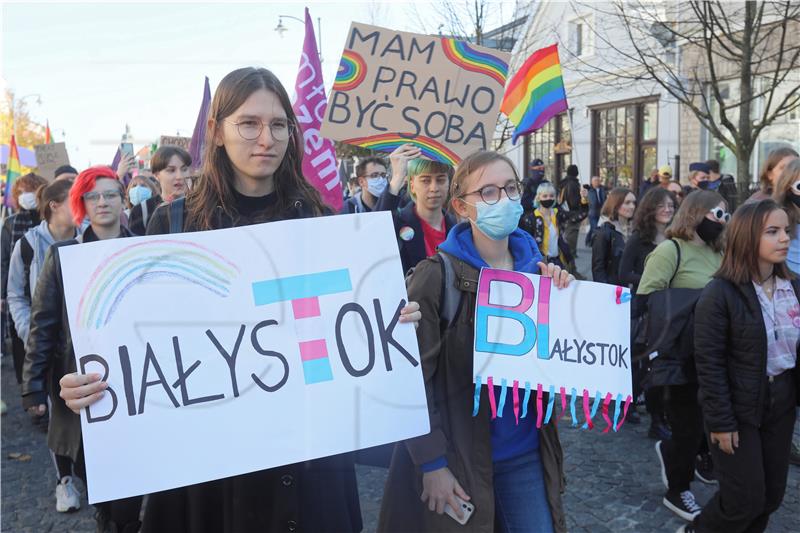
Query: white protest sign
column 532, row 338
column 264, row 345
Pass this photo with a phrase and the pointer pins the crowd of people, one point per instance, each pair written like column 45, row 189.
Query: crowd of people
column 715, row 322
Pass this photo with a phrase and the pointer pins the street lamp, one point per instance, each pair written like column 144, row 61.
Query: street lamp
column 281, row 29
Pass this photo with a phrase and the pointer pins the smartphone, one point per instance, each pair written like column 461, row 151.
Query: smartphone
column 586, row 186
column 126, row 148
column 466, row 509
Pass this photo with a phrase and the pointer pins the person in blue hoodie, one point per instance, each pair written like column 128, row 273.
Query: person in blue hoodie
column 511, row 473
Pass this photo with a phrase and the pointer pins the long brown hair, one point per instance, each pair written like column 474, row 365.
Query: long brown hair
column 644, row 219
column 781, row 195
column 215, row 186
column 691, row 213
column 774, row 157
column 614, row 201
column 740, row 262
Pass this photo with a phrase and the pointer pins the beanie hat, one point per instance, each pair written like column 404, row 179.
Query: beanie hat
column 572, row 171
column 665, row 169
column 700, row 166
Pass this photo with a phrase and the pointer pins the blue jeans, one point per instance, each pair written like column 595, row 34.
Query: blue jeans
column 520, row 499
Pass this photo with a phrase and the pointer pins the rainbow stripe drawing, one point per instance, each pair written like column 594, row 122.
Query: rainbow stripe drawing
column 388, row 142
column 352, row 71
column 144, row 262
column 468, row 58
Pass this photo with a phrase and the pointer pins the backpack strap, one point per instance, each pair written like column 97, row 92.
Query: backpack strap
column 176, row 215
column 26, row 250
column 450, row 295
column 677, row 264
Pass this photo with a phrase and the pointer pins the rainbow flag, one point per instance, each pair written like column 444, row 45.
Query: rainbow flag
column 13, row 170
column 536, row 92
column 48, row 137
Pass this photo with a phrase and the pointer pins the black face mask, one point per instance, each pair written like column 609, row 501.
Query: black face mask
column 709, row 230
column 795, row 198
column 704, row 185
column 547, row 204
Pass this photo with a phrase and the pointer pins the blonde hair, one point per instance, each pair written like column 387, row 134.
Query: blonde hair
column 774, row 157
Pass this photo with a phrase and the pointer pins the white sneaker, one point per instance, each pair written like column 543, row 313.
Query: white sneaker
column 67, row 496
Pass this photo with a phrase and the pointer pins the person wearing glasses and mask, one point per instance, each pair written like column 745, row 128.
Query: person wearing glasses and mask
column 511, row 473
column 98, row 195
column 373, row 180
column 688, row 259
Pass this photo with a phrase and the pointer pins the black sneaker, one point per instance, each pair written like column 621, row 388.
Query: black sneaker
column 704, row 469
column 682, row 504
column 663, row 466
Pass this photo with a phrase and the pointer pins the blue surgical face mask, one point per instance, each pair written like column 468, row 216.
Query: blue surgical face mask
column 376, row 186
column 139, row 194
column 498, row 221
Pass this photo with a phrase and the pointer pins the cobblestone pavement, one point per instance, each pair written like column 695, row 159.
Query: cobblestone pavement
column 613, row 483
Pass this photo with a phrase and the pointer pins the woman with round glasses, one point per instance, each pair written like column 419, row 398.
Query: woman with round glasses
column 650, row 222
column 512, row 474
column 688, row 259
column 252, row 173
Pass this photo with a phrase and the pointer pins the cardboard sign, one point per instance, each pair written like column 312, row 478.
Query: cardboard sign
column 532, row 338
column 49, row 157
column 264, row 345
column 183, row 142
column 438, row 93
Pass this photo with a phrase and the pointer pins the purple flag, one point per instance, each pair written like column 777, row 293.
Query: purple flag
column 117, row 159
column 199, row 134
column 319, row 161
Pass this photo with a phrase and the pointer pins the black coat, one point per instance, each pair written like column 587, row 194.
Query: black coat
column 412, row 251
column 730, row 342
column 314, row 496
column 607, row 247
column 136, row 222
column 597, row 197
column 50, row 353
column 631, row 265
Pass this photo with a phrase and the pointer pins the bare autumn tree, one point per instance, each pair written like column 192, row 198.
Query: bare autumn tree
column 734, row 65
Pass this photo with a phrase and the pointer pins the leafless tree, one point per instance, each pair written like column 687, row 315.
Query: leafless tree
column 696, row 50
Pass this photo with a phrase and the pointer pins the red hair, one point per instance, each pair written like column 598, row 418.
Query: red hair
column 84, row 183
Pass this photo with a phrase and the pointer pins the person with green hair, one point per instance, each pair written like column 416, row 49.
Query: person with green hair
column 421, row 225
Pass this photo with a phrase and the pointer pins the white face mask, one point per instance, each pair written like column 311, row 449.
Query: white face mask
column 27, row 200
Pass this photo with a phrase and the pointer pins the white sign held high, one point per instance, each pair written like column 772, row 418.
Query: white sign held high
column 531, row 338
column 266, row 345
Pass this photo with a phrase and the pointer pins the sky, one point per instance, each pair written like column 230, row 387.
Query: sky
column 100, row 66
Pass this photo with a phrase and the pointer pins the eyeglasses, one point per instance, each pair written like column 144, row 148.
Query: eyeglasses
column 376, row 175
column 93, row 197
column 491, row 193
column 250, row 129
column 720, row 214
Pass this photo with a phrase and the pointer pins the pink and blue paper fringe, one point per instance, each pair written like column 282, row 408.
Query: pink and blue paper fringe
column 545, row 415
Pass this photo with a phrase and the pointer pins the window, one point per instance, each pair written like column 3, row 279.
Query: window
column 553, row 145
column 626, row 143
column 581, row 37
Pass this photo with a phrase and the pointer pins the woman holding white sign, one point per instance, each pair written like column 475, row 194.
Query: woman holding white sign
column 252, row 173
column 511, row 475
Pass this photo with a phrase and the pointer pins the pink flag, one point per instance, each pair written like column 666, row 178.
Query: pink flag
column 319, row 161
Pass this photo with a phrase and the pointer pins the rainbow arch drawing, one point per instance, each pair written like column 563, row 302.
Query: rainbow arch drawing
column 469, row 58
column 352, row 71
column 388, row 142
column 144, row 262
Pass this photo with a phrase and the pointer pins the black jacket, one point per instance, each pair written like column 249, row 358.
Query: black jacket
column 533, row 223
column 607, row 247
column 730, row 342
column 597, row 197
column 50, row 354
column 319, row 495
column 631, row 265
column 136, row 221
column 412, row 251
column 570, row 196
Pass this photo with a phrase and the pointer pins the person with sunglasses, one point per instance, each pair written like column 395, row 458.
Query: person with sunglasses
column 97, row 195
column 373, row 180
column 688, row 259
column 512, row 474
